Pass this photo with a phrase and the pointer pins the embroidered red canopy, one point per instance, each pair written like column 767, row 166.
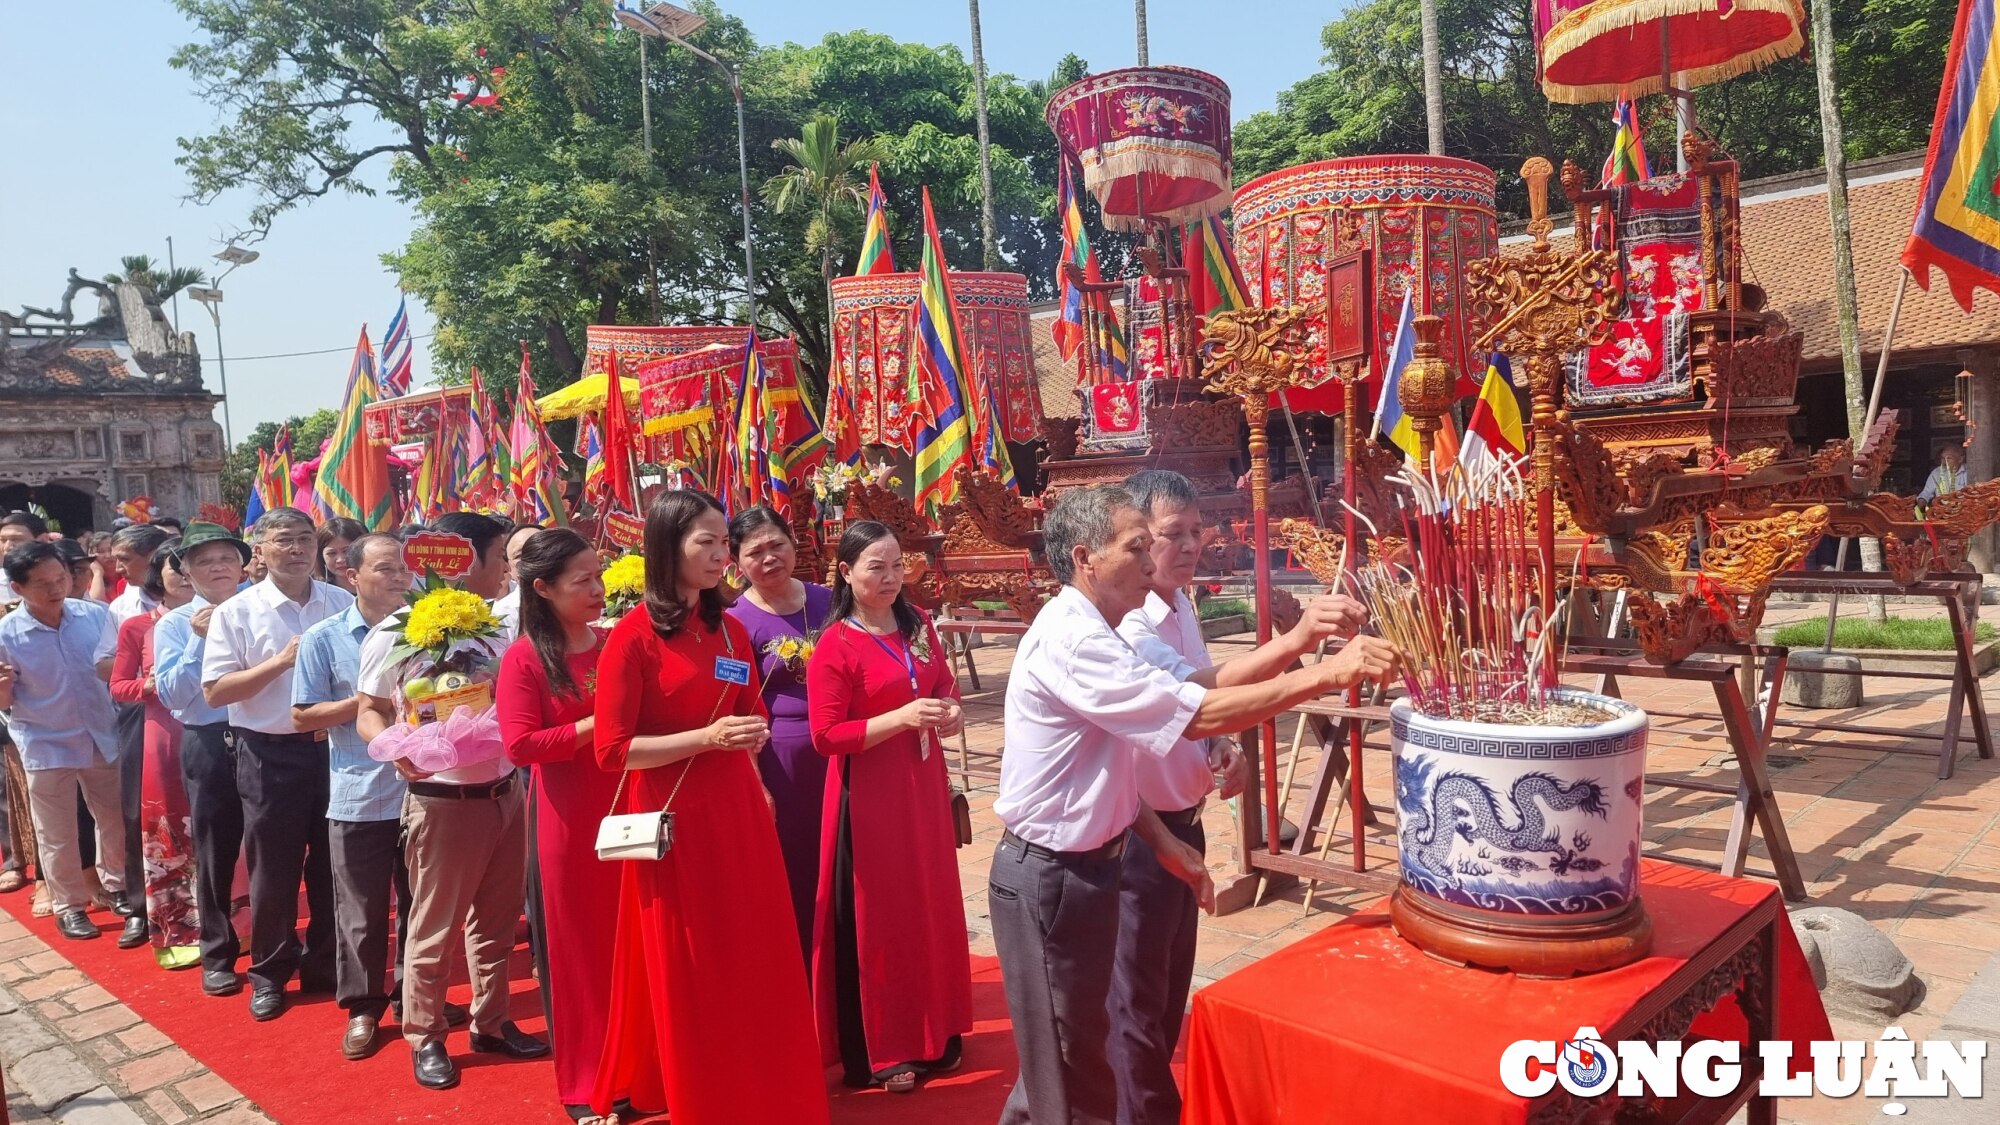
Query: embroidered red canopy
column 1153, row 142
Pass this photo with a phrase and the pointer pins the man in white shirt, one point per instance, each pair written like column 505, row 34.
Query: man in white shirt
column 508, row 607
column 1157, row 914
column 1081, row 706
column 465, row 844
column 253, row 643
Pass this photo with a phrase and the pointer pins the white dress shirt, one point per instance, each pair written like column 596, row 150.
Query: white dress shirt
column 1081, row 704
column 384, row 680
column 255, row 626
column 130, row 603
column 1169, row 638
column 508, row 609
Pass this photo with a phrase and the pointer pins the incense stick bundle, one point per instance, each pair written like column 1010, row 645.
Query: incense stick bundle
column 1463, row 602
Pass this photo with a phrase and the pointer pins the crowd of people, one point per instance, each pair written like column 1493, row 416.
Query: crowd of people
column 191, row 714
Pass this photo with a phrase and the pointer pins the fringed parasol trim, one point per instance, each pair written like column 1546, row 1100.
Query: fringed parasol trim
column 1585, row 26
column 1137, row 157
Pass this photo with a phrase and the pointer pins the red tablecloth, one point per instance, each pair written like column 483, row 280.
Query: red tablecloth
column 1355, row 1025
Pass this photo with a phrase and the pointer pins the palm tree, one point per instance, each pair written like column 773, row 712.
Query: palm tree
column 1427, row 15
column 990, row 256
column 824, row 175
column 139, row 270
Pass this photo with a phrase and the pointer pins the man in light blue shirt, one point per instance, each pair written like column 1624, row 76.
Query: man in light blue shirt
column 365, row 800
column 55, row 675
column 212, row 561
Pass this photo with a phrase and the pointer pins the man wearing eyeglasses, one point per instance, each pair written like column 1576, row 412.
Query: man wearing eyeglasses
column 282, row 773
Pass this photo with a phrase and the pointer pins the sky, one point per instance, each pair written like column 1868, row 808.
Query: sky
column 89, row 173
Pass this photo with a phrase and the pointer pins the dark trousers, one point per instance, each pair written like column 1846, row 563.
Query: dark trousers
column 367, row 873
column 215, row 814
column 284, row 780
column 1157, row 922
column 1055, row 926
column 131, row 786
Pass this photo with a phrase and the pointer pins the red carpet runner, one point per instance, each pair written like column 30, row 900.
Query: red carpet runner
column 292, row 1069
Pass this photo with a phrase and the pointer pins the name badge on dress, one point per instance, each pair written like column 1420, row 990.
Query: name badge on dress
column 732, row 671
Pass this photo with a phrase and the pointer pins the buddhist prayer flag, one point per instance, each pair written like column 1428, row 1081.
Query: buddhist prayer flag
column 281, row 493
column 1215, row 284
column 396, row 365
column 1086, row 318
column 877, row 256
column 842, row 432
column 531, row 456
column 945, row 441
column 1627, row 162
column 746, row 460
column 1957, row 227
column 255, row 505
column 1389, row 416
column 590, row 447
column 1495, row 429
column 353, row 473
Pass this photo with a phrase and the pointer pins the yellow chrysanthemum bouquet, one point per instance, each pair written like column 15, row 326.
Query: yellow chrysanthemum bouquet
column 447, row 655
column 624, row 586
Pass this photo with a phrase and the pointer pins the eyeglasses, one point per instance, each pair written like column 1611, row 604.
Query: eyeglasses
column 292, row 542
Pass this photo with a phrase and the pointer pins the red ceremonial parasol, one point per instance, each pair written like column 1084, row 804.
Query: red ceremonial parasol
column 1153, row 142
column 1604, row 50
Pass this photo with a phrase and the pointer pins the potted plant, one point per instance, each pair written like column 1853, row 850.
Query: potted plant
column 1518, row 801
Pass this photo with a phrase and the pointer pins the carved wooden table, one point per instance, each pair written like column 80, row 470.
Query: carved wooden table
column 1354, row 1025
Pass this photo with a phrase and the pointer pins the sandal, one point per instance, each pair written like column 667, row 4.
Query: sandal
column 11, row 881
column 42, row 906
column 952, row 1059
column 901, row 1080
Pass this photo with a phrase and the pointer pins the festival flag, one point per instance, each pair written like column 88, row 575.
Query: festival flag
column 945, row 441
column 428, row 495
column 621, row 489
column 1957, row 226
column 532, row 457
column 1215, row 283
column 396, row 365
column 1111, row 361
column 280, row 494
column 353, row 473
column 590, row 447
column 877, row 256
column 255, row 506
column 842, row 426
column 1389, row 416
column 1627, row 162
column 746, row 462
column 478, row 480
column 1495, row 429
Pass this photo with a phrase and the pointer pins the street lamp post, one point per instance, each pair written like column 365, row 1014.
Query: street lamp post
column 211, row 298
column 674, row 24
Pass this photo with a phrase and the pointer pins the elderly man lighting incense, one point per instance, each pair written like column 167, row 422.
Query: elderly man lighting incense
column 1081, row 707
column 1157, row 914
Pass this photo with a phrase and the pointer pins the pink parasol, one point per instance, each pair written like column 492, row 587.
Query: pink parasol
column 1603, row 50
column 1153, row 142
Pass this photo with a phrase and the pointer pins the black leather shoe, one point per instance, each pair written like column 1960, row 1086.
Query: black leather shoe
column 221, row 982
column 359, row 1042
column 134, row 934
column 122, row 905
column 266, row 1003
column 511, row 1042
column 76, row 925
column 435, row 1070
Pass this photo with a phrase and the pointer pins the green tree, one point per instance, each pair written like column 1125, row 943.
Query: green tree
column 140, row 270
column 1371, row 96
column 824, row 177
column 239, row 469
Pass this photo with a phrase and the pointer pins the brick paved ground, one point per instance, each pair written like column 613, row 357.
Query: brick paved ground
column 1876, row 833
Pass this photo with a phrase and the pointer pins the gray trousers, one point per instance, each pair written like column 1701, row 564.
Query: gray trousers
column 1055, row 925
column 1158, row 920
column 52, row 795
column 368, row 875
